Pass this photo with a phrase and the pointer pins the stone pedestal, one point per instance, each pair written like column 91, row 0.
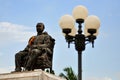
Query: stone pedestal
column 30, row 75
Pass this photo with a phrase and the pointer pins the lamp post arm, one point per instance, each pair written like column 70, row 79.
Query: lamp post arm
column 90, row 39
column 69, row 39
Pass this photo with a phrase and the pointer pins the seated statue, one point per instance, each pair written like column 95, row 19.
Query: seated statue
column 38, row 54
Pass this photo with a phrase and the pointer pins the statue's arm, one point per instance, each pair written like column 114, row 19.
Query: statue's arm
column 46, row 42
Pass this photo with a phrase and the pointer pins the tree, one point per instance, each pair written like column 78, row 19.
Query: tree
column 69, row 74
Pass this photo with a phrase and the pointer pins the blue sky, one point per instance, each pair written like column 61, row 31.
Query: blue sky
column 18, row 19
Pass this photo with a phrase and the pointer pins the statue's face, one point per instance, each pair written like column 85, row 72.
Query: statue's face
column 40, row 28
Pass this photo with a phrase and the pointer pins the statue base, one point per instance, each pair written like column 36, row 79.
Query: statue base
column 30, row 75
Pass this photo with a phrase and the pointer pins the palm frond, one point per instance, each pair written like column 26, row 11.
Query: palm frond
column 69, row 74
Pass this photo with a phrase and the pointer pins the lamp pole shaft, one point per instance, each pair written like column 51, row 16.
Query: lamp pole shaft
column 79, row 65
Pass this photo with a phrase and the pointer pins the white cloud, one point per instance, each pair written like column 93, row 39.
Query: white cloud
column 96, row 78
column 10, row 32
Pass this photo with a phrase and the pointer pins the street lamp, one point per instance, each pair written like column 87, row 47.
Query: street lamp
column 91, row 26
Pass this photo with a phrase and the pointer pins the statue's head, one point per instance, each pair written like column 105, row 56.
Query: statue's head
column 40, row 27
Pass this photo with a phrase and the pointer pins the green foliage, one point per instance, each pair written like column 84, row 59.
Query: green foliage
column 69, row 74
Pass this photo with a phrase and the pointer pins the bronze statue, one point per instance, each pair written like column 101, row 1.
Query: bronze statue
column 38, row 53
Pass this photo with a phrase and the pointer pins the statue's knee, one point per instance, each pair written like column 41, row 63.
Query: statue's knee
column 35, row 52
